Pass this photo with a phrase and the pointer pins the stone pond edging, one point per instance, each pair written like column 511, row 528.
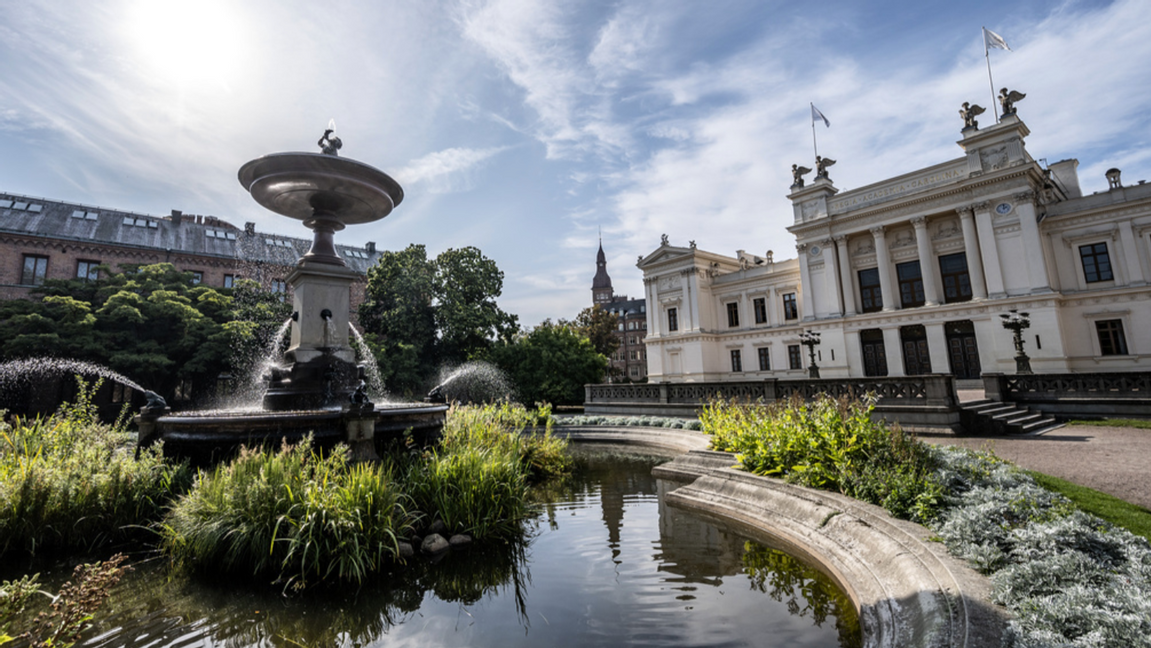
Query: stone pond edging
column 909, row 591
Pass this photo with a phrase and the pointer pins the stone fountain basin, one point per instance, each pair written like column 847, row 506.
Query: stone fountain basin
column 212, row 435
column 300, row 185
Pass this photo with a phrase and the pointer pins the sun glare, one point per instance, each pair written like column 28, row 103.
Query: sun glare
column 190, row 43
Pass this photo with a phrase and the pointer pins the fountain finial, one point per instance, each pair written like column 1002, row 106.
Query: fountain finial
column 330, row 145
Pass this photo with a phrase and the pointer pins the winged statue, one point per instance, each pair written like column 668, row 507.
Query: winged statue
column 821, row 164
column 968, row 112
column 1008, row 98
column 797, row 173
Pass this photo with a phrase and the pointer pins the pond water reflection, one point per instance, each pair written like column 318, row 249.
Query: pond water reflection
column 604, row 564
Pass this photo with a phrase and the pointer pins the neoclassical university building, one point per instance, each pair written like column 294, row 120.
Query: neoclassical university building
column 911, row 275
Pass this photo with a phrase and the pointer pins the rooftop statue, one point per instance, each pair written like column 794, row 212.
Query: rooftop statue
column 821, row 164
column 797, row 173
column 968, row 112
column 329, row 146
column 663, row 239
column 1007, row 99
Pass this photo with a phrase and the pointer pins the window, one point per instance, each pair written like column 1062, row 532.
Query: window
column 956, row 281
column 197, row 277
column 279, row 286
column 764, row 358
column 1096, row 262
column 869, row 290
column 229, row 280
column 794, row 357
column 1111, row 339
column 790, row 307
column 634, row 371
column 87, row 270
column 910, row 284
column 736, row 361
column 733, row 315
column 35, row 269
column 760, row 306
column 672, row 320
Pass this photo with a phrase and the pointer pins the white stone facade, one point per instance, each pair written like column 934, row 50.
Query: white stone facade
column 910, row 276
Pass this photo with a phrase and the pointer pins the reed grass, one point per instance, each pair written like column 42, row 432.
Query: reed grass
column 295, row 514
column 70, row 482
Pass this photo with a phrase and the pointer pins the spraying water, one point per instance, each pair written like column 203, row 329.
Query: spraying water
column 371, row 367
column 474, row 382
column 32, row 371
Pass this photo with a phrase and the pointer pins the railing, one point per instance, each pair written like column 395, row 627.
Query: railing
column 934, row 390
column 1108, row 395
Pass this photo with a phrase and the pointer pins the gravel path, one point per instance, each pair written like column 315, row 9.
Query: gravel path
column 1114, row 460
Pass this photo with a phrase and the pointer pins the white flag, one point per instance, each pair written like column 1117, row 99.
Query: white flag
column 815, row 114
column 991, row 40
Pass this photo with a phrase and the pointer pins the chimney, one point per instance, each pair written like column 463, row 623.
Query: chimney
column 177, row 216
column 370, row 247
column 250, row 229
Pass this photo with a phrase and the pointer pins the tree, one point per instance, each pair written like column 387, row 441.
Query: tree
column 599, row 326
column 551, row 363
column 421, row 314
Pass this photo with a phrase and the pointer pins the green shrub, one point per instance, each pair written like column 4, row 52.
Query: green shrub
column 296, row 515
column 830, row 444
column 475, row 490
column 504, row 430
column 71, row 482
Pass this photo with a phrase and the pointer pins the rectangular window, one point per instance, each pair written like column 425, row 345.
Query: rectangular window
column 1111, row 339
column 790, row 307
column 35, row 270
column 197, row 277
column 794, row 357
column 229, row 280
column 910, row 284
column 279, row 286
column 733, row 315
column 634, row 371
column 87, row 270
column 760, row 305
column 956, row 281
column 672, row 320
column 736, row 361
column 764, row 358
column 1096, row 262
column 869, row 290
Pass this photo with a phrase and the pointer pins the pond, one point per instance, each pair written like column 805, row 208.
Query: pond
column 605, row 563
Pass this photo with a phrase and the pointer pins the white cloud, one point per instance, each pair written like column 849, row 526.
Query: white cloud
column 446, row 171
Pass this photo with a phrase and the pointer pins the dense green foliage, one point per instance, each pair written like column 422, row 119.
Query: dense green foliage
column 1135, row 519
column 830, row 444
column 71, row 482
column 420, row 314
column 150, row 323
column 300, row 517
column 600, row 328
column 549, row 364
column 295, row 515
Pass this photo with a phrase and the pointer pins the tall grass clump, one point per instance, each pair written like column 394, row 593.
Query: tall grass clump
column 71, row 482
column 294, row 514
column 830, row 444
column 506, row 429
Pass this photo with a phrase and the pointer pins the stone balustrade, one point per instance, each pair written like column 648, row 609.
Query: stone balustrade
column 1075, row 395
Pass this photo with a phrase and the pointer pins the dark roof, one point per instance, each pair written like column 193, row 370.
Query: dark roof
column 199, row 235
column 601, row 280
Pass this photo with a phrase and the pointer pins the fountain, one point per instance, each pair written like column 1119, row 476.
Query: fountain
column 318, row 389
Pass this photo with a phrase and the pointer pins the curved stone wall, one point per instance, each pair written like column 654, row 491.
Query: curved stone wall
column 907, row 589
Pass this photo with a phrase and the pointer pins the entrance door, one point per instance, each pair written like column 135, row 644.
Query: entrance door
column 916, row 360
column 874, row 353
column 962, row 351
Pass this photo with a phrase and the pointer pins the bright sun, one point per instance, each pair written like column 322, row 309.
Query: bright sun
column 189, row 42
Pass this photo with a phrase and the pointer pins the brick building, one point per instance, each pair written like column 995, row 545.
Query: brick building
column 47, row 239
column 629, row 362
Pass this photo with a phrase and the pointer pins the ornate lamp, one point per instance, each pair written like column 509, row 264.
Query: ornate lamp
column 1016, row 322
column 809, row 339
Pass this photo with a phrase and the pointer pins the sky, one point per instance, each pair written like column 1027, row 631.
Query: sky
column 528, row 128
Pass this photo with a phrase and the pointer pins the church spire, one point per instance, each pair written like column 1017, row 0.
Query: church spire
column 601, row 290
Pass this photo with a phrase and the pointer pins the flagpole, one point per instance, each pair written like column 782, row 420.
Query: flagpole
column 990, row 81
column 813, row 144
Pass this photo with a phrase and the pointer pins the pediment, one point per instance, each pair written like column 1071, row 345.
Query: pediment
column 663, row 254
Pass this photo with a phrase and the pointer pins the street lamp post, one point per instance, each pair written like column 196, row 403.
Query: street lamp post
column 809, row 339
column 1016, row 322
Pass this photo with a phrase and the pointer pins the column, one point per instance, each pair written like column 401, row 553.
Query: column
column 654, row 311
column 1032, row 242
column 989, row 250
column 937, row 348
column 927, row 263
column 807, row 305
column 893, row 349
column 1131, row 254
column 773, row 318
column 690, row 301
column 832, row 275
column 845, row 279
column 884, row 259
column 971, row 251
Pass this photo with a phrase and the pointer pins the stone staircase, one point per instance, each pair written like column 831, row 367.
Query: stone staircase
column 993, row 417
